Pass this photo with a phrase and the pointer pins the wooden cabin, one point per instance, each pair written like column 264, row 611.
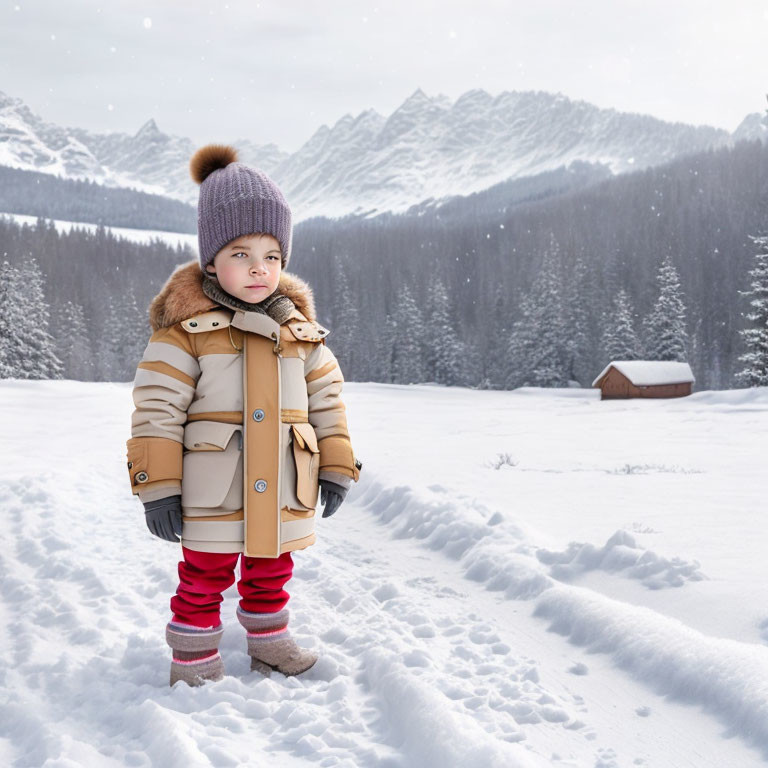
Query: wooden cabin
column 644, row 378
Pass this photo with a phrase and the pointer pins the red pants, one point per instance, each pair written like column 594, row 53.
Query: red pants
column 203, row 576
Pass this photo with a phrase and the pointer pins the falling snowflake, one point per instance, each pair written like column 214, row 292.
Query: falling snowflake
column 147, row 22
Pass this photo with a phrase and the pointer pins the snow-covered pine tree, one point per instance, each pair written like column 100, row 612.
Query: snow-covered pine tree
column 30, row 347
column 385, row 351
column 122, row 339
column 111, row 341
column 471, row 366
column 619, row 340
column 346, row 324
column 578, row 349
column 408, row 358
column 547, row 357
column 136, row 333
column 666, row 337
column 496, row 361
column 695, row 346
column 443, row 353
column 522, row 340
column 107, row 345
column 755, row 359
column 11, row 319
column 73, row 344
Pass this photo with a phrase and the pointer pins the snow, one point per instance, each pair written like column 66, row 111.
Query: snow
column 500, row 589
column 143, row 236
column 726, row 678
column 647, row 373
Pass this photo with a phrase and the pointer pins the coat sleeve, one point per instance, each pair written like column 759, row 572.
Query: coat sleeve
column 165, row 382
column 327, row 414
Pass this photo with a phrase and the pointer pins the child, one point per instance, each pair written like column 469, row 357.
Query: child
column 238, row 422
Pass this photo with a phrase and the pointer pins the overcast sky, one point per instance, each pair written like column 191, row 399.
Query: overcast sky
column 274, row 71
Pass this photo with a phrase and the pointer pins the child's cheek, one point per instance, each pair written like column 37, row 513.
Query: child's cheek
column 229, row 273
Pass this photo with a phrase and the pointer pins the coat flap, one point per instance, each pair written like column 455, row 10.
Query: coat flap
column 304, row 434
column 207, row 321
column 307, row 330
column 254, row 322
column 205, row 434
column 297, row 315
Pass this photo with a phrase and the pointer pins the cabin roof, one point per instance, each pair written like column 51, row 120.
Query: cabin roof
column 646, row 373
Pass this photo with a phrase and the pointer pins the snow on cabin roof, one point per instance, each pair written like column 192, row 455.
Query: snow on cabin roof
column 646, row 373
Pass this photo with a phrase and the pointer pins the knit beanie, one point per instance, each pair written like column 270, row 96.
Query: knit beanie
column 236, row 199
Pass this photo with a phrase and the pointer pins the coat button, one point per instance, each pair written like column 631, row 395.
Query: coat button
column 260, row 485
column 130, row 465
column 258, row 414
column 142, row 477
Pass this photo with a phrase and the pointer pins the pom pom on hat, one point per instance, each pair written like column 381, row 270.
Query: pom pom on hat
column 210, row 158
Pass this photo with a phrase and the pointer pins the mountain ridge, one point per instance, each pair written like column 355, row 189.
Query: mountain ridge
column 428, row 148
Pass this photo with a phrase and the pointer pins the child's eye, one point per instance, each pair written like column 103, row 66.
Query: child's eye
column 241, row 253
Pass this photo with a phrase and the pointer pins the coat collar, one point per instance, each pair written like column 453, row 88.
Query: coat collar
column 182, row 296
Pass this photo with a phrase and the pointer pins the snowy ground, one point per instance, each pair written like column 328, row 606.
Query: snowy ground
column 143, row 236
column 528, row 578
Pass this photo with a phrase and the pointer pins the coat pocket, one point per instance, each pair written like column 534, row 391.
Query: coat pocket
column 306, row 456
column 213, row 464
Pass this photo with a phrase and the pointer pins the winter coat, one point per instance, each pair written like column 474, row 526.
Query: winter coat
column 240, row 415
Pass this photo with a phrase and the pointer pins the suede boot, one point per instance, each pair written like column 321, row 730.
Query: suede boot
column 271, row 646
column 196, row 656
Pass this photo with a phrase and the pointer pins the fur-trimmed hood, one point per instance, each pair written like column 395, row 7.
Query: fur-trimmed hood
column 182, row 296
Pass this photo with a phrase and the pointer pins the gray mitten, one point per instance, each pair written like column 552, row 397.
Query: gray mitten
column 331, row 494
column 164, row 517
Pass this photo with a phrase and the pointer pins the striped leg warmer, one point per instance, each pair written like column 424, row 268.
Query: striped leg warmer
column 270, row 644
column 195, row 652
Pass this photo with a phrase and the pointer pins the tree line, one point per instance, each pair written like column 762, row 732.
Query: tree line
column 664, row 264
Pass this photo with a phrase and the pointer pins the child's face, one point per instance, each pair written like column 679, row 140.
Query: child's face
column 248, row 267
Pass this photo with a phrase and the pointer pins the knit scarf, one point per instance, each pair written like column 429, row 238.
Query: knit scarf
column 277, row 306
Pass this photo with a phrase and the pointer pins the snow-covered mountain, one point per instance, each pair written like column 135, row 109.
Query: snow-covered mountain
column 150, row 160
column 754, row 126
column 429, row 147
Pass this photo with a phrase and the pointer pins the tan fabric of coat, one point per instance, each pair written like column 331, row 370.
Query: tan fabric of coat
column 241, row 416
